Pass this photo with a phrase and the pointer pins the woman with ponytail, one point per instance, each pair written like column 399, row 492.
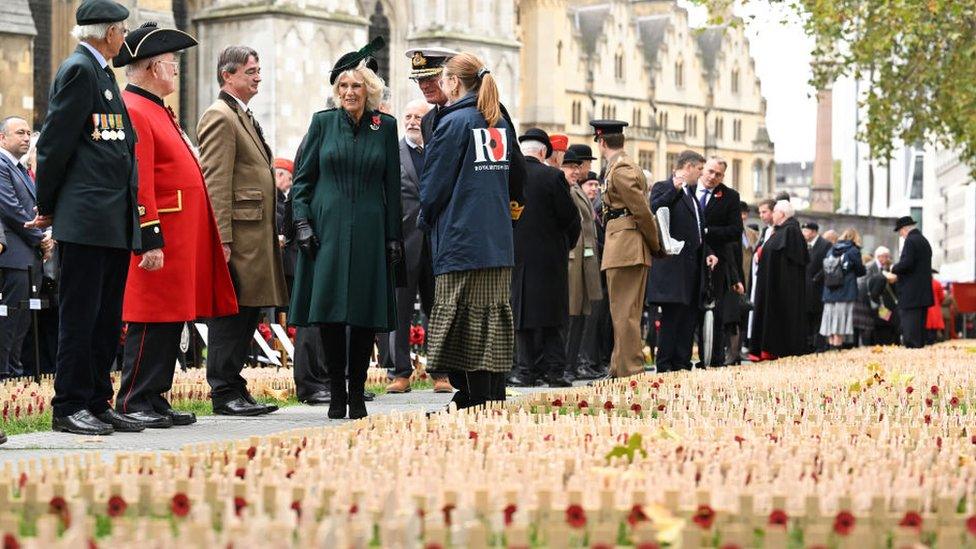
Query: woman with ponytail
column 471, row 193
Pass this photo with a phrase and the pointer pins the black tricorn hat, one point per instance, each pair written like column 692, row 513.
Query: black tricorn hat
column 149, row 40
column 352, row 59
column 540, row 135
column 583, row 152
column 904, row 221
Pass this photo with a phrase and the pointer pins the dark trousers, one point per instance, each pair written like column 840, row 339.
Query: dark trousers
column 15, row 285
column 90, row 295
column 574, row 340
column 913, row 327
column 344, row 347
column 815, row 342
column 308, row 367
column 406, row 298
column 148, row 365
column 228, row 341
column 597, row 344
column 718, row 335
column 676, row 336
column 477, row 388
column 541, row 352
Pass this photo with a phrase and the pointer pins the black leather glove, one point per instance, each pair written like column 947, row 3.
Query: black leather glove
column 305, row 236
column 394, row 252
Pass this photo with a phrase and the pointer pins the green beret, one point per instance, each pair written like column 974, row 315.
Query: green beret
column 93, row 12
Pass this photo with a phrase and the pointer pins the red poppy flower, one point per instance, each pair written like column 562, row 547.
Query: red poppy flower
column 239, row 505
column 92, row 544
column 636, row 515
column 417, row 335
column 265, row 331
column 778, row 518
column 909, row 389
column 928, row 419
column 704, row 517
column 240, row 472
column 473, row 435
column 558, row 403
column 647, row 545
column 660, row 407
column 57, row 505
column 291, row 331
column 10, row 542
column 22, row 481
column 911, row 520
column 510, row 513
column 354, row 509
column 636, row 408
column 844, row 523
column 633, row 383
column 928, row 402
column 251, row 452
column 954, row 402
column 583, row 404
column 116, row 506
column 296, row 506
column 600, row 546
column 447, row 509
column 575, row 516
column 180, row 505
column 719, row 194
column 971, row 525
column 376, row 120
column 935, row 390
column 608, row 406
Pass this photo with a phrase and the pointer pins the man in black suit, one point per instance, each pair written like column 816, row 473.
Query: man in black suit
column 540, row 280
column 675, row 282
column 86, row 188
column 721, row 226
column 416, row 252
column 818, row 247
column 912, row 277
column 24, row 250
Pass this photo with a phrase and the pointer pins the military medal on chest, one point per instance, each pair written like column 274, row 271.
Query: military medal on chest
column 109, row 95
column 96, row 132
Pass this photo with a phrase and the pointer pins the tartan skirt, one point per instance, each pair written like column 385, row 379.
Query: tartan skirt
column 471, row 326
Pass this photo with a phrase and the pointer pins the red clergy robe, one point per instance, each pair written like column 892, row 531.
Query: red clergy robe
column 174, row 214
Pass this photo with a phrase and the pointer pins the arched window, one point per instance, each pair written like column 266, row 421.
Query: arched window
column 758, row 171
column 735, row 80
column 618, row 65
column 379, row 25
column 559, row 53
column 718, row 128
column 679, row 74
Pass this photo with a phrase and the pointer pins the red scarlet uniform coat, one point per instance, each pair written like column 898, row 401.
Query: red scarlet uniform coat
column 175, row 214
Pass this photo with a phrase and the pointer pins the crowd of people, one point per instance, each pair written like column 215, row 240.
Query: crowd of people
column 525, row 265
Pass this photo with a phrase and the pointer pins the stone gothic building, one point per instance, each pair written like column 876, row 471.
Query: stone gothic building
column 559, row 63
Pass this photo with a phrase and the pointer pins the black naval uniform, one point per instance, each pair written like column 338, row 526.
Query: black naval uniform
column 87, row 180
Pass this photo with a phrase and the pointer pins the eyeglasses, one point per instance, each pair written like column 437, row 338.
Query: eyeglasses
column 175, row 64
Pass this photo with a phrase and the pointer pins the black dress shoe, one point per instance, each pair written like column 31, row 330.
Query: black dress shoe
column 268, row 408
column 151, row 420
column 240, row 407
column 180, row 418
column 120, row 422
column 81, row 422
column 368, row 396
column 3, row 437
column 316, row 398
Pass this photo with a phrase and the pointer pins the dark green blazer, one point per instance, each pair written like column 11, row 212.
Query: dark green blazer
column 89, row 184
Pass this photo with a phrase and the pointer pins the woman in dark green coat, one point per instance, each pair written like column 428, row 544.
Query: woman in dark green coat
column 346, row 205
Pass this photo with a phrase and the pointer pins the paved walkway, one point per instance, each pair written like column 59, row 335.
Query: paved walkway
column 209, row 429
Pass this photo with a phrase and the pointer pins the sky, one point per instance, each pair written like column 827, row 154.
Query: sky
column 782, row 55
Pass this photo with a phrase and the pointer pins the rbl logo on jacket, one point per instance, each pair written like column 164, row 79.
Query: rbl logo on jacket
column 490, row 149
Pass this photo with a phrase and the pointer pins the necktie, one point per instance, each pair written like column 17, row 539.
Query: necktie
column 419, row 149
column 111, row 73
column 257, row 126
column 703, row 199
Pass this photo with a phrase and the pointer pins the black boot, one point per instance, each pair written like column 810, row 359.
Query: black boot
column 333, row 341
column 360, row 348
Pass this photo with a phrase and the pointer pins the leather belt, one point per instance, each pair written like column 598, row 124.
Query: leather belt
column 611, row 214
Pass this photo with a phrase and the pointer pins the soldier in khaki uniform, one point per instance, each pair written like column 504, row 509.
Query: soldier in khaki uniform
column 631, row 238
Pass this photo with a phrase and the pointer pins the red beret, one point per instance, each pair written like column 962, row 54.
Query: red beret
column 559, row 142
column 284, row 164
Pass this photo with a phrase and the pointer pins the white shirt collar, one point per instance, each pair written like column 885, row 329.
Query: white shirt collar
column 98, row 55
column 239, row 102
column 410, row 142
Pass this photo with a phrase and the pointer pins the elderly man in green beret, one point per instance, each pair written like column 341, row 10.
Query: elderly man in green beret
column 86, row 188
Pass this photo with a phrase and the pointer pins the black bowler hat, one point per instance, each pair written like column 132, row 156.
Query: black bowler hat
column 904, row 221
column 743, row 207
column 352, row 59
column 569, row 157
column 603, row 128
column 150, row 40
column 583, row 152
column 590, row 176
column 94, row 12
column 537, row 134
column 810, row 225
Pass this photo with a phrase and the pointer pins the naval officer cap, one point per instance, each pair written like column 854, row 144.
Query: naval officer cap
column 352, row 59
column 94, row 12
column 603, row 128
column 427, row 62
column 149, row 40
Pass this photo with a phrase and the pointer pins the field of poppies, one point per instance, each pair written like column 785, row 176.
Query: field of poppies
column 868, row 448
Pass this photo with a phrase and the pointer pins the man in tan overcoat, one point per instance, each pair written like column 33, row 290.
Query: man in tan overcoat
column 631, row 237
column 237, row 167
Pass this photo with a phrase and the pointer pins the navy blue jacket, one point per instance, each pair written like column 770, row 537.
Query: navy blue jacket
column 853, row 268
column 16, row 208
column 678, row 279
column 464, row 190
